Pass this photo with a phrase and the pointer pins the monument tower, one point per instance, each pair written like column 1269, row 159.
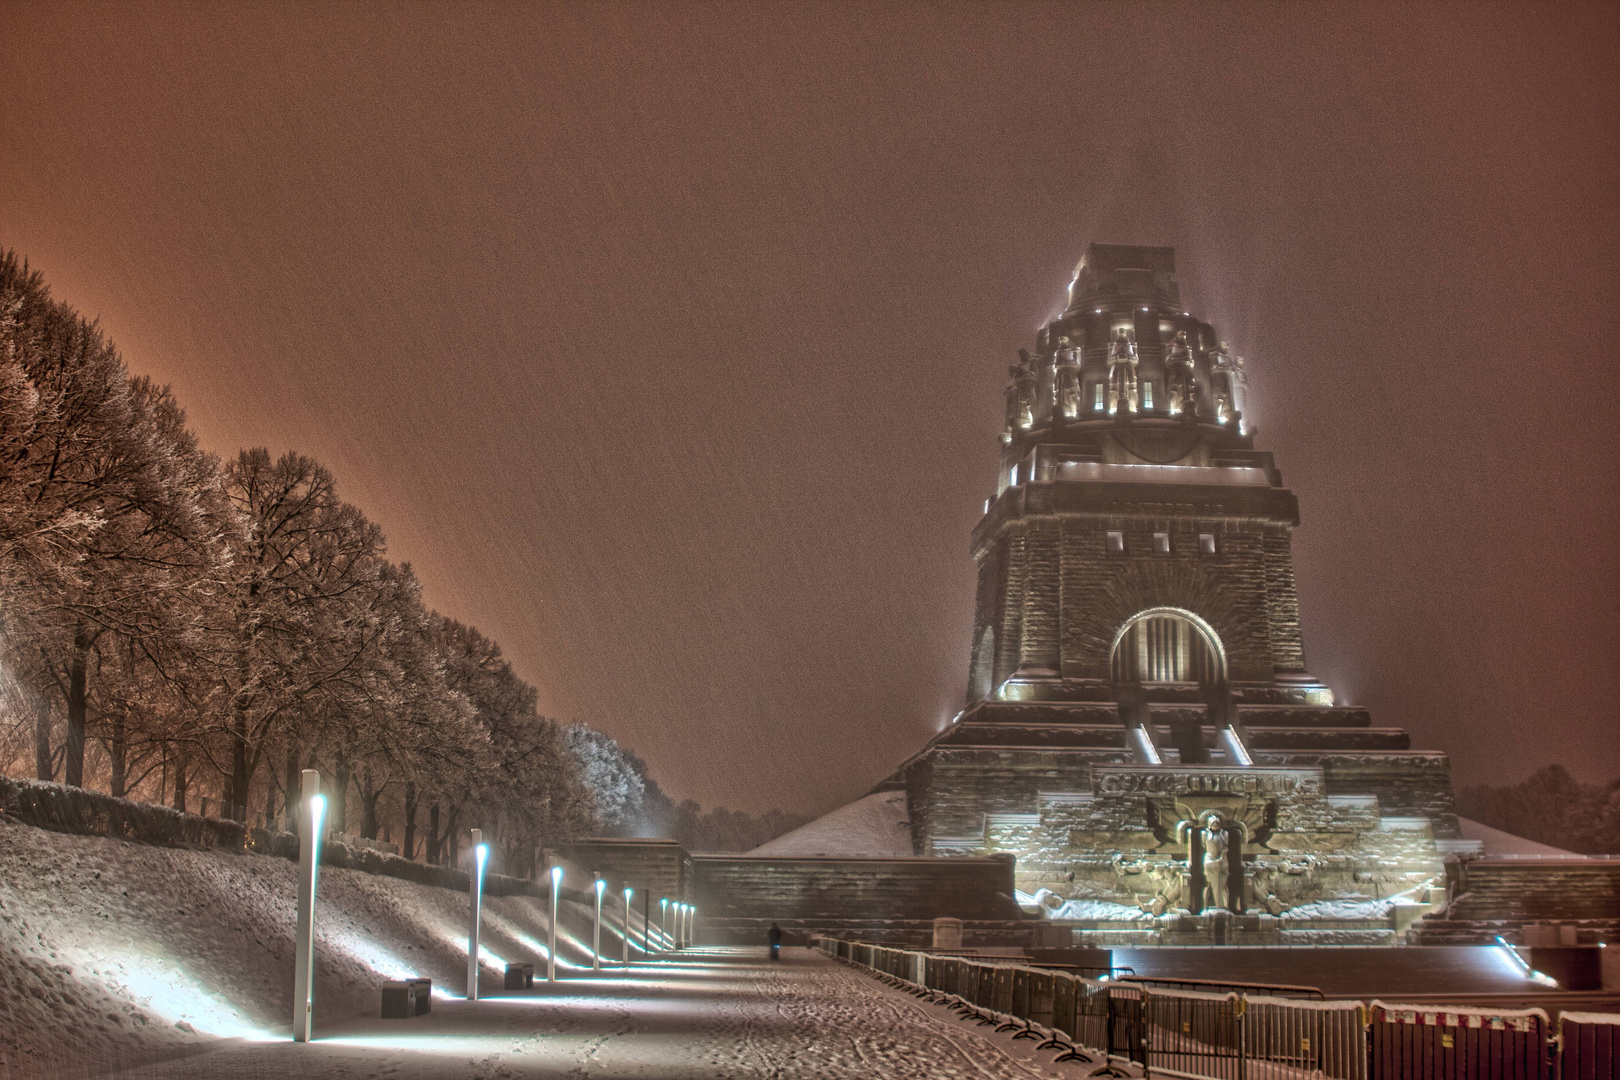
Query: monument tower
column 1141, row 729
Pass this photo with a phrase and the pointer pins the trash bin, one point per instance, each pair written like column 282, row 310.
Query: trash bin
column 519, row 976
column 424, row 995
column 398, row 1000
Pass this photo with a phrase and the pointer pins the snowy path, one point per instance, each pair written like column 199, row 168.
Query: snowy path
column 719, row 1014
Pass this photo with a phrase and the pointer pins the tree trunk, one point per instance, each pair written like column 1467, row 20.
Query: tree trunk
column 409, row 845
column 339, row 812
column 180, row 786
column 118, row 752
column 452, row 841
column 368, row 806
column 295, row 791
column 42, row 738
column 239, row 779
column 433, row 834
column 77, row 708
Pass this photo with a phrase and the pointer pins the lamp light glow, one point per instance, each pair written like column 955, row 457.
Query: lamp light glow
column 475, row 905
column 628, row 892
column 309, row 866
column 551, row 951
column 596, row 947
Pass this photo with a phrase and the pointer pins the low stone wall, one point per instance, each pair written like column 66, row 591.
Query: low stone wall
column 1501, row 896
column 659, row 868
column 60, row 808
column 739, row 896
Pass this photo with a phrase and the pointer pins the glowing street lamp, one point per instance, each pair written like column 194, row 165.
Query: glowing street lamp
column 663, row 923
column 309, row 864
column 475, row 891
column 551, row 948
column 627, row 892
column 596, row 948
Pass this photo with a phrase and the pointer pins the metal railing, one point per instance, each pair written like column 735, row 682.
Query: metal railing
column 1243, row 1035
column 1588, row 1046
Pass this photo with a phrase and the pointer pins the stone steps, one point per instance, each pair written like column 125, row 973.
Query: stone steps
column 1326, row 738
column 1429, row 932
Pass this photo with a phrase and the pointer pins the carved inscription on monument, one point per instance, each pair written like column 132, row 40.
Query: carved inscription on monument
column 1186, row 779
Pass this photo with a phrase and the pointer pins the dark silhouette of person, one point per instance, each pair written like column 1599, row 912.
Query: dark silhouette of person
column 776, row 942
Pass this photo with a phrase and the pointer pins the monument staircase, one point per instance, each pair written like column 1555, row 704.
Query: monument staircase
column 1501, row 895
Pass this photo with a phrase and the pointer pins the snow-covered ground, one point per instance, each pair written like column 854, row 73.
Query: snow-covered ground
column 112, row 951
column 716, row 1014
column 874, row 825
column 163, row 963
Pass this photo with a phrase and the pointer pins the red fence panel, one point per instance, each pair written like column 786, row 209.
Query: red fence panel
column 1588, row 1046
column 1417, row 1042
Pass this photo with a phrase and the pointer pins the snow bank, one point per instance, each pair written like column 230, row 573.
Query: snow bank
column 1098, row 910
column 112, row 951
column 1497, row 842
column 874, row 825
column 1341, row 909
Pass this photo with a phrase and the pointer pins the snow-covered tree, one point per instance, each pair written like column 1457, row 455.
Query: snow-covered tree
column 613, row 777
column 112, row 521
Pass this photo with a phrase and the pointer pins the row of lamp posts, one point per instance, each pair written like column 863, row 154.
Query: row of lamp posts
column 309, row 861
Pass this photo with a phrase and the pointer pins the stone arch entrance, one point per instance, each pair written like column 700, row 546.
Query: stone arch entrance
column 1165, row 646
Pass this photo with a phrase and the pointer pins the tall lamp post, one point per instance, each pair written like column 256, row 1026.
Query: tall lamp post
column 551, row 949
column 309, row 865
column 596, row 948
column 627, row 892
column 475, row 897
column 663, row 923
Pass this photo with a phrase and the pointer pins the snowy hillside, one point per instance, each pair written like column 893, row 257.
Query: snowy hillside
column 111, row 950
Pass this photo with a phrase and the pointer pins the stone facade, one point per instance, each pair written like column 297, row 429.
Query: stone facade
column 1137, row 662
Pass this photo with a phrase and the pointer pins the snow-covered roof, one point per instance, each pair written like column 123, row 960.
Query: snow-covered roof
column 1497, row 842
column 874, row 825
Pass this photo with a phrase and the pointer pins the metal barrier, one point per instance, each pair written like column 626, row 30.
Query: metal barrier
column 1235, row 1036
column 1424, row 1042
column 1588, row 1046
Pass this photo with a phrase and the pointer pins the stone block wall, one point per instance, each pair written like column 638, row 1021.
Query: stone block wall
column 729, row 888
column 1055, row 596
column 950, row 789
column 658, row 868
column 1409, row 783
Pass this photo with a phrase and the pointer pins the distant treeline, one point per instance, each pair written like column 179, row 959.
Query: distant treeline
column 195, row 632
column 1551, row 807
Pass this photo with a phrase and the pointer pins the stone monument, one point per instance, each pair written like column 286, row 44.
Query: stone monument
column 1141, row 731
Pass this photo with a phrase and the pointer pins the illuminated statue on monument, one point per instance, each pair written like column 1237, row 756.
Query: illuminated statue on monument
column 1122, row 372
column 1066, row 384
column 1178, row 366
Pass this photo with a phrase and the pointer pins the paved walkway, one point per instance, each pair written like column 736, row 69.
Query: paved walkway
column 718, row 1014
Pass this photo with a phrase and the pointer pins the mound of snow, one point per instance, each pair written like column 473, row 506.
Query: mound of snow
column 1097, row 910
column 874, row 825
column 1497, row 842
column 1341, row 909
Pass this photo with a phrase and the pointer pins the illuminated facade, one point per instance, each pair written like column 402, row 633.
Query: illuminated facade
column 1141, row 731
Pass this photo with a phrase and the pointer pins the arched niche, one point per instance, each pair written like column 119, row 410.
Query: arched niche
column 1167, row 645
